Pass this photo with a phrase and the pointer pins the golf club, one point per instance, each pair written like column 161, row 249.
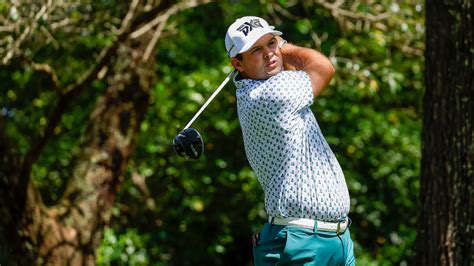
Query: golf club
column 189, row 143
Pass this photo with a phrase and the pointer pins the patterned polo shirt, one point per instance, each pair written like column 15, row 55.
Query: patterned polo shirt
column 284, row 145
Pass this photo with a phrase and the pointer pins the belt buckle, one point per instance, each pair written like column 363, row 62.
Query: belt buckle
column 338, row 229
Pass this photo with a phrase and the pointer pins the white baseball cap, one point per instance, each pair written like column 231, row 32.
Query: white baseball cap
column 244, row 32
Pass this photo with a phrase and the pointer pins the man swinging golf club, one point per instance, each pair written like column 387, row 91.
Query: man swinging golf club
column 306, row 196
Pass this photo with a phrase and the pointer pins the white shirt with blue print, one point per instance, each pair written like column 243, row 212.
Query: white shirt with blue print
column 294, row 164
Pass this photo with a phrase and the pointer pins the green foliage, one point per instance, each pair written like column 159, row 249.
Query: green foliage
column 176, row 212
column 125, row 249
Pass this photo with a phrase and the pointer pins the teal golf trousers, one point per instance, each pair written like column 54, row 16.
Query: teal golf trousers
column 291, row 245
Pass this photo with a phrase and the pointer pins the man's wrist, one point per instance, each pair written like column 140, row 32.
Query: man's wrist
column 282, row 43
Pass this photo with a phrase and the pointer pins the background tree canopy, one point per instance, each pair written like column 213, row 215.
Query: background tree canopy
column 169, row 211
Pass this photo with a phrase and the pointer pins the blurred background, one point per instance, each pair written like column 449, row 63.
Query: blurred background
column 169, row 211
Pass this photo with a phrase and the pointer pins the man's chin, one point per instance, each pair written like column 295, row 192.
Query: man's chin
column 274, row 72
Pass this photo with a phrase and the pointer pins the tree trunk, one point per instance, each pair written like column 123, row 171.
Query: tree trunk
column 445, row 234
column 71, row 231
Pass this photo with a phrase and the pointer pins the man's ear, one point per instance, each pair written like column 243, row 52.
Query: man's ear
column 237, row 64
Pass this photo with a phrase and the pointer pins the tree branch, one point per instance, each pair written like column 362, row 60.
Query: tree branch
column 339, row 12
column 159, row 29
column 50, row 72
column 29, row 29
column 71, row 92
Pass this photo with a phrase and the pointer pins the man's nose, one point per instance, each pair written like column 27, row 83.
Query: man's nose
column 267, row 53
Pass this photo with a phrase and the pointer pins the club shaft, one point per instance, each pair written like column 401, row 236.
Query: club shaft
column 210, row 98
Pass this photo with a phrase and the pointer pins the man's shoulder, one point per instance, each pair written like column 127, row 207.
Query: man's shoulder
column 243, row 83
column 288, row 76
column 283, row 77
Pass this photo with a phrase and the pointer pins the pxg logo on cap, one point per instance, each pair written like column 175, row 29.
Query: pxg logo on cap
column 248, row 26
column 244, row 32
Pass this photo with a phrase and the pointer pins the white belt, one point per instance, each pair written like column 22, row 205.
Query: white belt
column 339, row 227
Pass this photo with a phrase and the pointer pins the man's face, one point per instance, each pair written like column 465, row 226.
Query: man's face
column 261, row 61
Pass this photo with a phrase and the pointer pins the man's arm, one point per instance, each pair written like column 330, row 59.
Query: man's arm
column 318, row 67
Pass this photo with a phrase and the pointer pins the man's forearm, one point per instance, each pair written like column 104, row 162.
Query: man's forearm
column 318, row 67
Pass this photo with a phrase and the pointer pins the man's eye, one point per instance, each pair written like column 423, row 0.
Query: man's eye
column 255, row 50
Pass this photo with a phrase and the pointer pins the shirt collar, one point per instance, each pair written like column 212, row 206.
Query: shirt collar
column 241, row 82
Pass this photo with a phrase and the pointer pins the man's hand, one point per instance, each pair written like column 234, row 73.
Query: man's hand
column 281, row 44
column 319, row 68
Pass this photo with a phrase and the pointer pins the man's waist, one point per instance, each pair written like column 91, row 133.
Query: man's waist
column 338, row 227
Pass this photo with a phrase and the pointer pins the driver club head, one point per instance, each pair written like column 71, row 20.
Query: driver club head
column 189, row 144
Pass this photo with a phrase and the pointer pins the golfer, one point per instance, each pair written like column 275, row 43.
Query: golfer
column 306, row 196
